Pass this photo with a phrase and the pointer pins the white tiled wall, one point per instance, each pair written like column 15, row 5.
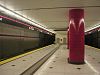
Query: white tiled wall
column 62, row 39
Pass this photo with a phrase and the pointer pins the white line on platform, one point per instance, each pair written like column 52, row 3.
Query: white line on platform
column 97, row 73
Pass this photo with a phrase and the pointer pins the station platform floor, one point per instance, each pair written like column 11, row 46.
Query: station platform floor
column 58, row 64
column 27, row 63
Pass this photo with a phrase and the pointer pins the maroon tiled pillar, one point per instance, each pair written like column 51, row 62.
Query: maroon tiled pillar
column 76, row 35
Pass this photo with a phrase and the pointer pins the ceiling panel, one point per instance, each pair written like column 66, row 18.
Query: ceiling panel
column 55, row 25
column 24, row 4
column 62, row 32
column 92, row 13
column 45, row 15
column 51, row 18
column 54, row 13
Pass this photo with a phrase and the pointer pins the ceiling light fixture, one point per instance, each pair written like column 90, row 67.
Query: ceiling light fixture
column 94, row 27
column 18, row 16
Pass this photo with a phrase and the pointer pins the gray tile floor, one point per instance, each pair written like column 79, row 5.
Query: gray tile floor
column 18, row 66
column 58, row 64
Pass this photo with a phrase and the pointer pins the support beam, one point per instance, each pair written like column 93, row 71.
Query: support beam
column 76, row 35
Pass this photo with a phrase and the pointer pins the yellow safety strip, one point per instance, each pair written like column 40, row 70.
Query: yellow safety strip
column 19, row 56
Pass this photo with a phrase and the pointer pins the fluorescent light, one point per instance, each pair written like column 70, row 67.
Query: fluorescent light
column 18, row 16
column 94, row 27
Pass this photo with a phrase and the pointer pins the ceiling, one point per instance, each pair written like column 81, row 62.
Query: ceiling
column 54, row 13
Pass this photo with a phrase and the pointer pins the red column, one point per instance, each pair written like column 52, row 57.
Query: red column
column 76, row 35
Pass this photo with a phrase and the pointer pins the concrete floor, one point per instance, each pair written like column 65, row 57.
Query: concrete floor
column 58, row 64
column 18, row 66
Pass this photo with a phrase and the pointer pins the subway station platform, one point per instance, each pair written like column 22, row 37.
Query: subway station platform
column 28, row 63
column 35, row 35
column 52, row 60
column 58, row 64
